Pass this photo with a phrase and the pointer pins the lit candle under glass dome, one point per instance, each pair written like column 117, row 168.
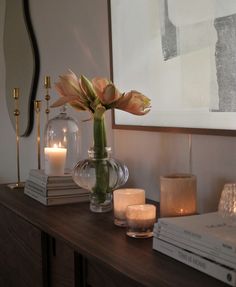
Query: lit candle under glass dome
column 62, row 133
column 55, row 158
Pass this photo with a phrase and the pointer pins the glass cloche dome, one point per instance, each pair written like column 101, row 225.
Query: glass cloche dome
column 63, row 131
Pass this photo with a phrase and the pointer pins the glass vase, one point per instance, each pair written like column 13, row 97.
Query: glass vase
column 100, row 176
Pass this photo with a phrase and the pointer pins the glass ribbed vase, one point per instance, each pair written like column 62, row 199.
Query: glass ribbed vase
column 101, row 176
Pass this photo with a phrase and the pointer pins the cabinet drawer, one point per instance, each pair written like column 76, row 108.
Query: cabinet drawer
column 20, row 252
column 98, row 275
column 61, row 264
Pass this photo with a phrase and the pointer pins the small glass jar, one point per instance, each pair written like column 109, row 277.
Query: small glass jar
column 62, row 131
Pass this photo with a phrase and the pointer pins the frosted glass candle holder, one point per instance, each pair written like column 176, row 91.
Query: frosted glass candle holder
column 140, row 220
column 178, row 195
column 124, row 197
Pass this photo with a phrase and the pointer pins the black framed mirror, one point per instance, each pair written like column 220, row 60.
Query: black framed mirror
column 21, row 62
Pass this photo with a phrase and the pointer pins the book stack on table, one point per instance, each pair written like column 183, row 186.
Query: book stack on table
column 54, row 190
column 206, row 242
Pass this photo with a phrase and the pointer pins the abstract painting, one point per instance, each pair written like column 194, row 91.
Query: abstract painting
column 180, row 53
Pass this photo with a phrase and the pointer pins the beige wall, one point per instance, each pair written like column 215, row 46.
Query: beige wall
column 75, row 36
column 68, row 38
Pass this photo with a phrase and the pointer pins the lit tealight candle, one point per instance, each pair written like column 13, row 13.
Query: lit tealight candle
column 55, row 158
column 140, row 220
column 123, row 198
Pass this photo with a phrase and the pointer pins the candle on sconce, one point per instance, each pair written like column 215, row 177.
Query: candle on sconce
column 124, row 197
column 140, row 220
column 178, row 195
column 55, row 158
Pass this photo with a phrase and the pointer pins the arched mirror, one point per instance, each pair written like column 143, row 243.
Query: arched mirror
column 21, row 62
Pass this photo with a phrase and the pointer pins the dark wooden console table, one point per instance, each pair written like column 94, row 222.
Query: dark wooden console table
column 70, row 246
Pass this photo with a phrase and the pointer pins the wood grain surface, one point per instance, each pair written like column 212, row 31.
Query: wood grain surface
column 104, row 246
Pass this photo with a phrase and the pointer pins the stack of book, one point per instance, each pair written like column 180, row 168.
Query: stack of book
column 206, row 242
column 54, row 190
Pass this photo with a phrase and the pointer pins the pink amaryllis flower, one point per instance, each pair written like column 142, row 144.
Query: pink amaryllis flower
column 134, row 102
column 69, row 88
column 106, row 91
column 98, row 94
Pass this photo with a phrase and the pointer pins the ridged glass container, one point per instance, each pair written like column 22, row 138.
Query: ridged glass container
column 63, row 131
column 101, row 176
column 227, row 203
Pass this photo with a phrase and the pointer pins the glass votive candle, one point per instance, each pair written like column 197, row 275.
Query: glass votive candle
column 140, row 220
column 227, row 204
column 178, row 195
column 124, row 197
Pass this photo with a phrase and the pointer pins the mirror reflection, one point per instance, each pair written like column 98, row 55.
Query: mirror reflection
column 21, row 62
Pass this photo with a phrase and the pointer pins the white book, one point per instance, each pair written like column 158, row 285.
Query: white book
column 40, row 174
column 206, row 266
column 198, row 244
column 58, row 182
column 210, row 229
column 53, row 185
column 54, row 192
column 56, row 200
column 200, row 250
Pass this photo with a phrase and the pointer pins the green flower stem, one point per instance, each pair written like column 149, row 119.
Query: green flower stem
column 99, row 134
column 100, row 154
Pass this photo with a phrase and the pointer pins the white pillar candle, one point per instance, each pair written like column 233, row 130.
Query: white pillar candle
column 140, row 220
column 55, row 158
column 124, row 197
column 178, row 195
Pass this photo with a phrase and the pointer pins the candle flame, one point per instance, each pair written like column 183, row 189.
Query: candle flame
column 59, row 145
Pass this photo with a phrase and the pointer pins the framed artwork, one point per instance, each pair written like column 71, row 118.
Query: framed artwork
column 182, row 55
